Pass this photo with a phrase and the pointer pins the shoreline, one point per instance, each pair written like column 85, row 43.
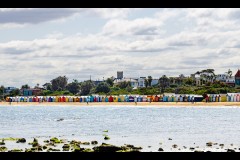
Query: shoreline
column 146, row 104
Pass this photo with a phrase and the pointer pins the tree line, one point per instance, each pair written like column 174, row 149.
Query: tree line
column 181, row 84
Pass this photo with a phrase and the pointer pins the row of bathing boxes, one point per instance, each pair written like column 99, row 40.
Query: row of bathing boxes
column 126, row 98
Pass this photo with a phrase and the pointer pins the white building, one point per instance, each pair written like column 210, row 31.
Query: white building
column 133, row 81
column 222, row 77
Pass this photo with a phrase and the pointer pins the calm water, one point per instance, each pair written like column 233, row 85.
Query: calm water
column 141, row 126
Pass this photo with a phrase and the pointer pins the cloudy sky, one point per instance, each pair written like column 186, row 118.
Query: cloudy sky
column 37, row 45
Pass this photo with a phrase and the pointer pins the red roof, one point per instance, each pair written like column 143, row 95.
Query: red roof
column 237, row 74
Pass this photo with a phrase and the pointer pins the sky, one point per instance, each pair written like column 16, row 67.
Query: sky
column 40, row 44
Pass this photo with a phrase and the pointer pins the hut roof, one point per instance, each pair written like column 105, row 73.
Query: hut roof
column 237, row 74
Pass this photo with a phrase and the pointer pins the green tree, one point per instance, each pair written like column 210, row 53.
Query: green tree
column 59, row 83
column 2, row 88
column 86, row 87
column 150, row 81
column 74, row 87
column 229, row 72
column 188, row 81
column 124, row 84
column 163, row 83
column 26, row 86
column 146, row 82
column 47, row 86
column 129, row 88
column 102, row 87
column 15, row 92
column 110, row 81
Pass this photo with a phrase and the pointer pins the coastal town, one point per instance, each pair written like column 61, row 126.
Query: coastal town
column 202, row 85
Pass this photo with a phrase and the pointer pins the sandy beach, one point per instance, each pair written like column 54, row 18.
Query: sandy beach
column 156, row 104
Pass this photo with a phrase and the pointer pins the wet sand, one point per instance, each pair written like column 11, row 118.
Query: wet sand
column 146, row 104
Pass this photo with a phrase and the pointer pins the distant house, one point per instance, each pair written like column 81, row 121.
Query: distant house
column 141, row 83
column 31, row 91
column 97, row 82
column 222, row 77
column 133, row 81
column 230, row 82
column 9, row 89
column 237, row 78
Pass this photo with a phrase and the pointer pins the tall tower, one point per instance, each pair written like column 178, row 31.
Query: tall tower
column 119, row 74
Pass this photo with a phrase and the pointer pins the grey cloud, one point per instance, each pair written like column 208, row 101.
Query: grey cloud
column 235, row 14
column 34, row 15
column 14, row 51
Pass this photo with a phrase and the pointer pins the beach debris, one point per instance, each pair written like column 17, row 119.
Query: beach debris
column 230, row 150
column 137, row 148
column 209, row 144
column 231, row 144
column 191, row 148
column 106, row 148
column 169, row 139
column 34, row 143
column 106, row 137
column 21, row 140
column 28, row 150
column 184, row 147
column 85, row 143
column 44, row 147
column 46, row 141
column 129, row 145
column 94, row 142
column 61, row 119
column 10, row 139
column 3, row 149
column 174, row 146
column 56, row 150
column 56, row 140
column 105, row 131
column 149, row 146
column 215, row 143
column 160, row 143
column 2, row 143
column 66, row 147
column 16, row 150
column 160, row 149
column 221, row 145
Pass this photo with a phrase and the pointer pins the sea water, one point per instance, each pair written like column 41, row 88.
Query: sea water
column 148, row 127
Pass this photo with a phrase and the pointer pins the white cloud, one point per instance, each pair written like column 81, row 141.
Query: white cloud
column 140, row 47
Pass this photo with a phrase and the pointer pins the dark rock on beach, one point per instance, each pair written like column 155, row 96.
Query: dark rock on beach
column 174, row 146
column 44, row 147
column 66, row 147
column 21, row 140
column 221, row 145
column 209, row 144
column 85, row 143
column 107, row 148
column 46, row 141
column 3, row 149
column 230, row 150
column 56, row 140
column 94, row 142
column 2, row 143
column 16, row 150
column 160, row 149
column 169, row 139
column 191, row 148
column 61, row 119
column 106, row 138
